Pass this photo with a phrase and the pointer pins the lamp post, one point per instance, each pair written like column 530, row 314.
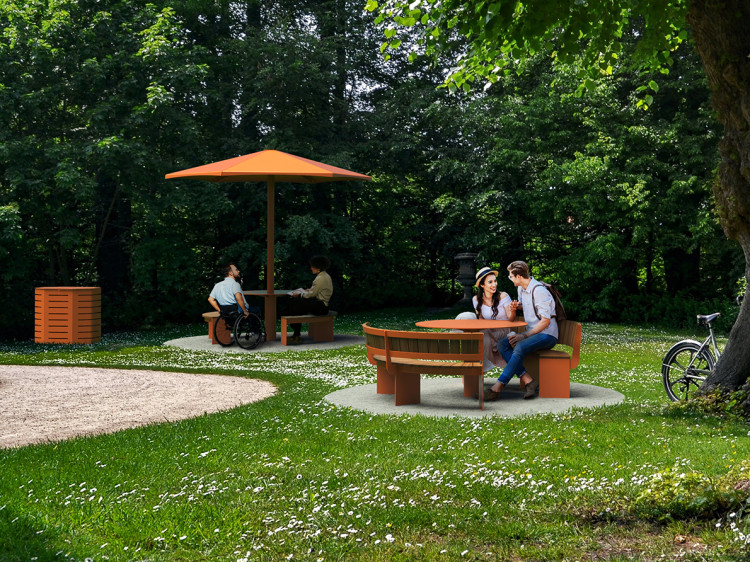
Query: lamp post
column 466, row 266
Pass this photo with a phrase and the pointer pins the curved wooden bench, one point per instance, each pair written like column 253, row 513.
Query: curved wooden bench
column 402, row 356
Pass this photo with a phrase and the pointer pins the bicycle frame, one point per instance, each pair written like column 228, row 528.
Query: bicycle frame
column 712, row 338
column 708, row 344
column 691, row 371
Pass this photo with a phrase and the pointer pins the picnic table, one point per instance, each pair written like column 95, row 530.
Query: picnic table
column 270, row 308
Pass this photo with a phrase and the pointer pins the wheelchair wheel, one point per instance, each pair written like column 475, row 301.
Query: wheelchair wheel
column 684, row 368
column 248, row 332
column 223, row 332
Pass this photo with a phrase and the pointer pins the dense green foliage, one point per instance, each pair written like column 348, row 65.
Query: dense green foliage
column 297, row 475
column 498, row 32
column 99, row 100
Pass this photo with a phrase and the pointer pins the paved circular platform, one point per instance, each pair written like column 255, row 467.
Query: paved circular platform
column 202, row 343
column 443, row 397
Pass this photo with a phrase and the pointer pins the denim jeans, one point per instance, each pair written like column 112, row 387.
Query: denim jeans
column 514, row 355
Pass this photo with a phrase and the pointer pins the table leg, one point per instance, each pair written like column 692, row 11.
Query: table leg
column 270, row 318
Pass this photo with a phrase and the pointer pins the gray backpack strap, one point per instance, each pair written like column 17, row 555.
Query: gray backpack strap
column 533, row 302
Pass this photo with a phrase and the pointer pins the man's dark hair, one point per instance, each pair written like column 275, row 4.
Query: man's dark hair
column 228, row 269
column 320, row 262
column 520, row 269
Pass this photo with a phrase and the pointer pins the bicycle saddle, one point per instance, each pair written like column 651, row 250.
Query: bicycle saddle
column 708, row 318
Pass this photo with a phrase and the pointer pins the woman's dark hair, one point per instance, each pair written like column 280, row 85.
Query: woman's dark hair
column 320, row 262
column 480, row 299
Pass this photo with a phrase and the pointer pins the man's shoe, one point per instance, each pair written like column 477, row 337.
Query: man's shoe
column 295, row 340
column 532, row 389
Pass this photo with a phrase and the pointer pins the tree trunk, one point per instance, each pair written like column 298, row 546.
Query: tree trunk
column 682, row 269
column 723, row 43
column 113, row 226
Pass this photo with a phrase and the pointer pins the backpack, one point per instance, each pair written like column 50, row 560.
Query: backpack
column 559, row 308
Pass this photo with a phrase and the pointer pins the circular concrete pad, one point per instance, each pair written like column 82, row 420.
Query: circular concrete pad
column 203, row 343
column 443, row 397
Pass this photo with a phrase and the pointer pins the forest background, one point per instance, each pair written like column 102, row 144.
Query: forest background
column 100, row 99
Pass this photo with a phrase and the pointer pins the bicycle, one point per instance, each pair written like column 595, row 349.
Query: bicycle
column 688, row 362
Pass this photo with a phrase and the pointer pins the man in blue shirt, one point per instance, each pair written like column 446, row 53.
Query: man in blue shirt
column 229, row 291
column 541, row 331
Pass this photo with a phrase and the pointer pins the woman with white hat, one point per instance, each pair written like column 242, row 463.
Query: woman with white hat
column 490, row 304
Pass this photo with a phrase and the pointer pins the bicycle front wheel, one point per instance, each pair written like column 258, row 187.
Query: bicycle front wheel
column 684, row 368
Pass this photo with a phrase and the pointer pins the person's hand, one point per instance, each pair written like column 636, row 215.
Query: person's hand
column 514, row 339
column 246, row 314
column 513, row 305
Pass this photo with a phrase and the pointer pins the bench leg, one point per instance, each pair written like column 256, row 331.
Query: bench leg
column 471, row 384
column 554, row 378
column 531, row 363
column 321, row 331
column 283, row 331
column 386, row 383
column 211, row 334
column 474, row 384
column 407, row 389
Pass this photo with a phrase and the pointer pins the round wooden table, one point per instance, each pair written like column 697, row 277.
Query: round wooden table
column 470, row 325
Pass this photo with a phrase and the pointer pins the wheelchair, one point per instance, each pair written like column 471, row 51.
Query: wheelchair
column 232, row 326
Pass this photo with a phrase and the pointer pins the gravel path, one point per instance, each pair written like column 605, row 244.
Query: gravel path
column 39, row 404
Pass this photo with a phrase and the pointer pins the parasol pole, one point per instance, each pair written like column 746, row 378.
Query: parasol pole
column 269, row 236
column 270, row 300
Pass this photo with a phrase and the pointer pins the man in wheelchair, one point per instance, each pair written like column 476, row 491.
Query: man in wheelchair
column 235, row 319
column 228, row 293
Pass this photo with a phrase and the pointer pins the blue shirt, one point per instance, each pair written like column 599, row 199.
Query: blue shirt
column 224, row 292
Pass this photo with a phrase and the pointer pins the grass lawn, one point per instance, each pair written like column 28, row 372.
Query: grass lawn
column 294, row 477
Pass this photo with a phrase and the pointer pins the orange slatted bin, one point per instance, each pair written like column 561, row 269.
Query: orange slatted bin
column 68, row 314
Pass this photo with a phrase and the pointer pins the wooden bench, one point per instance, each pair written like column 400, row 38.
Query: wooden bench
column 320, row 328
column 551, row 367
column 210, row 318
column 401, row 357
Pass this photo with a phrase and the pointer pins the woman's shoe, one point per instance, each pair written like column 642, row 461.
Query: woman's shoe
column 295, row 340
column 490, row 395
column 487, row 387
